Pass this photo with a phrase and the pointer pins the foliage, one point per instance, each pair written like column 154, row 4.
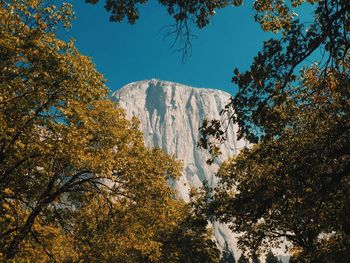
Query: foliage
column 52, row 99
column 191, row 240
column 293, row 184
column 181, row 11
column 243, row 259
column 292, row 259
column 271, row 258
column 128, row 227
column 67, row 154
column 266, row 88
column 148, row 227
column 255, row 258
column 76, row 181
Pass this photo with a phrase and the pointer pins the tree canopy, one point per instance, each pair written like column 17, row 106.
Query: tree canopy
column 76, row 180
column 293, row 183
column 73, row 169
column 243, row 259
column 265, row 89
column 271, row 258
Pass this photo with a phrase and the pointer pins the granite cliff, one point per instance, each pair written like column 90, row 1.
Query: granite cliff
column 170, row 115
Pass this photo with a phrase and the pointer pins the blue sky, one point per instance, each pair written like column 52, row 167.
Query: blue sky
column 125, row 53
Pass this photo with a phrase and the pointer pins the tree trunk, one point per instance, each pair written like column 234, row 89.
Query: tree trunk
column 12, row 249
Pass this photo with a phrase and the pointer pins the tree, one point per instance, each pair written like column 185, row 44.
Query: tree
column 271, row 258
column 76, row 180
column 71, row 166
column 149, row 225
column 295, row 185
column 190, row 241
column 243, row 259
column 292, row 259
column 270, row 82
column 51, row 100
column 130, row 227
column 227, row 255
column 297, row 115
column 255, row 258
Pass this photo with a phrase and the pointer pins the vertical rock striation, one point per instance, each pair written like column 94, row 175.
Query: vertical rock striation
column 170, row 115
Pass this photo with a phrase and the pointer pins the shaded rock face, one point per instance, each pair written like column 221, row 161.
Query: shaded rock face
column 170, row 115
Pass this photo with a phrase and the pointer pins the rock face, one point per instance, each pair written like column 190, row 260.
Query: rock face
column 170, row 116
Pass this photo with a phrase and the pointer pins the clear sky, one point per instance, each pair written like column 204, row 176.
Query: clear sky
column 126, row 53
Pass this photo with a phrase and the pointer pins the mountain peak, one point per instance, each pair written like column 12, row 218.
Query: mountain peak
column 144, row 84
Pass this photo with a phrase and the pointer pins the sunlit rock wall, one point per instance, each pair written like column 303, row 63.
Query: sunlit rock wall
column 170, row 116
